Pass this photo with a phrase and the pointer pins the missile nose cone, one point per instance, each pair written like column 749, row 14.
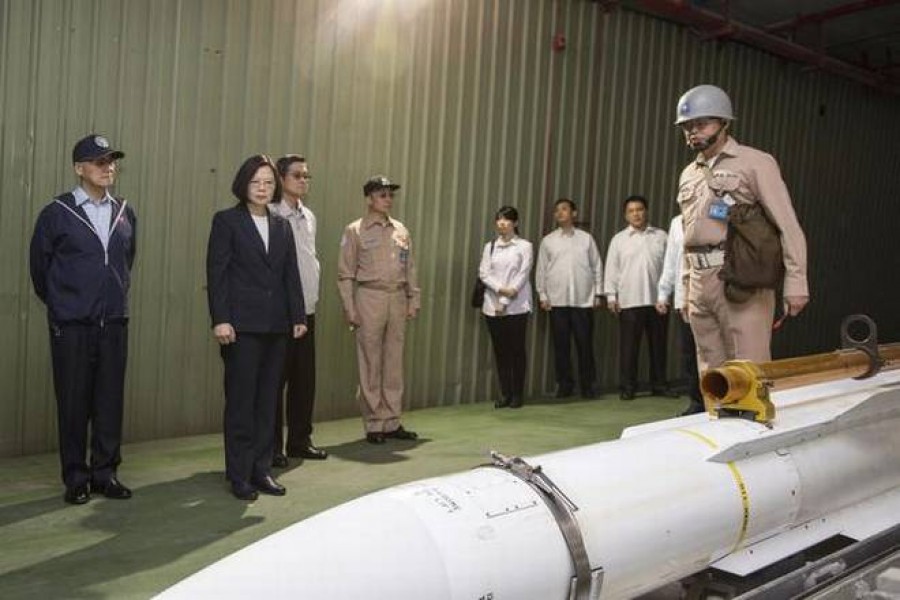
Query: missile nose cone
column 470, row 535
column 368, row 548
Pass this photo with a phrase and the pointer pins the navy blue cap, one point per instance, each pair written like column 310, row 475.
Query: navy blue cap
column 376, row 183
column 93, row 147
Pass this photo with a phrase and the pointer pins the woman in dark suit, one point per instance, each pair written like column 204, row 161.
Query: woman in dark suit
column 255, row 301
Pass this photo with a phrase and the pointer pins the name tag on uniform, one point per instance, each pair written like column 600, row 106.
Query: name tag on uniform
column 404, row 256
column 718, row 210
column 369, row 243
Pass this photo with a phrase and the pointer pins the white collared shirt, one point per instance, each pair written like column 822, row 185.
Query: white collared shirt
column 98, row 213
column 507, row 265
column 303, row 224
column 633, row 266
column 262, row 226
column 670, row 281
column 569, row 269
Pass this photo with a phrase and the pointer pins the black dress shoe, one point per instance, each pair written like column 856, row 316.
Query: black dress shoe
column 309, row 452
column 244, row 491
column 502, row 403
column 375, row 437
column 112, row 489
column 402, row 434
column 268, row 485
column 626, row 396
column 79, row 494
column 279, row 461
column 515, row 402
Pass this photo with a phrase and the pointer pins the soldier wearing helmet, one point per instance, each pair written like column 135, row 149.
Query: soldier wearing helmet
column 726, row 173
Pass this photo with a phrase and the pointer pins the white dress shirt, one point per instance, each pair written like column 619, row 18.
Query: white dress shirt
column 633, row 266
column 303, row 224
column 262, row 226
column 99, row 213
column 507, row 266
column 569, row 269
column 672, row 267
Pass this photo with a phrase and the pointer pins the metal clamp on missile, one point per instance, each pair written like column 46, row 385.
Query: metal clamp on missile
column 741, row 388
column 587, row 582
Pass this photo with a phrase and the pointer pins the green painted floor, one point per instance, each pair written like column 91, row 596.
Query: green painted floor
column 182, row 517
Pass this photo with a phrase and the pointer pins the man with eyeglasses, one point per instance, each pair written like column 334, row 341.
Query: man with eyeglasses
column 300, row 359
column 728, row 325
column 82, row 251
column 380, row 292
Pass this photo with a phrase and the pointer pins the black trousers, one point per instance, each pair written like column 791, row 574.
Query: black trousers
column 298, row 383
column 508, row 338
column 89, row 379
column 688, row 349
column 633, row 324
column 569, row 322
column 253, row 368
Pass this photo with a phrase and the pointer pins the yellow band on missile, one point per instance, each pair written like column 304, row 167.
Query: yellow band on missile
column 743, row 494
column 745, row 504
column 708, row 441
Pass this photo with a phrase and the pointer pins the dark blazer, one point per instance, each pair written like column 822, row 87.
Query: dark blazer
column 254, row 290
column 79, row 280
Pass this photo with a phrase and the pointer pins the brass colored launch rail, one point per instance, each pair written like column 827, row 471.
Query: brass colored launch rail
column 742, row 387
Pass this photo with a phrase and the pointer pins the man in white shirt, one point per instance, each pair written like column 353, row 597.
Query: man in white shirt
column 671, row 282
column 569, row 282
column 300, row 361
column 633, row 267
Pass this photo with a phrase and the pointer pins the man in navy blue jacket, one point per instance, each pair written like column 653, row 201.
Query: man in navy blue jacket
column 82, row 251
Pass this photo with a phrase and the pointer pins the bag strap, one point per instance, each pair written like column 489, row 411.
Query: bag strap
column 708, row 175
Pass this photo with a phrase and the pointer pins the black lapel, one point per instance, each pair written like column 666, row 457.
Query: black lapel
column 274, row 236
column 250, row 230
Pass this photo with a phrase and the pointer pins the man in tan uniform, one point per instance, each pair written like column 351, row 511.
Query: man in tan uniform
column 724, row 173
column 380, row 292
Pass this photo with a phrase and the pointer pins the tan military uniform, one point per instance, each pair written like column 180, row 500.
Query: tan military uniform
column 725, row 330
column 377, row 282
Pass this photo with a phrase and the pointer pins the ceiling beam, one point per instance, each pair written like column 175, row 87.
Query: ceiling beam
column 684, row 11
column 841, row 10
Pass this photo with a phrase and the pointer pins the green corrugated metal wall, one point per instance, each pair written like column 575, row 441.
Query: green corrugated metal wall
column 463, row 101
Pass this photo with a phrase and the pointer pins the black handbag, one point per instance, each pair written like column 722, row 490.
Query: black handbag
column 477, row 300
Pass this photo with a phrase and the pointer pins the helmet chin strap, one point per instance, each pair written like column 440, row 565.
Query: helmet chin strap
column 706, row 143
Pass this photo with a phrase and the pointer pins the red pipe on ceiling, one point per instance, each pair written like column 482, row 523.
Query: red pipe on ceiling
column 685, row 12
column 841, row 10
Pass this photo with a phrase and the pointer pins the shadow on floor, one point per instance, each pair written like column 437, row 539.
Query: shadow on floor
column 161, row 523
column 375, row 454
column 29, row 510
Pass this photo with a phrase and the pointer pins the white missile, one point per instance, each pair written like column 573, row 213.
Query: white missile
column 608, row 520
